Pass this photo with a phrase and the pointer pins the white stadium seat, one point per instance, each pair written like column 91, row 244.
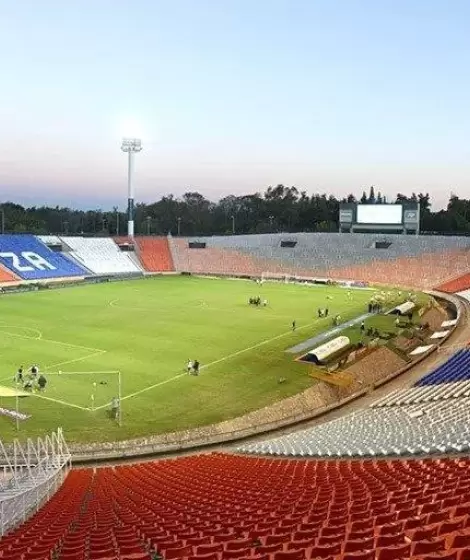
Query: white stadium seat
column 418, row 420
column 100, row 255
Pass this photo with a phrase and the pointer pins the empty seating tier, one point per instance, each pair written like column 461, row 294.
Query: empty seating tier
column 457, row 368
column 456, row 285
column 154, row 254
column 432, row 417
column 222, row 507
column 30, row 259
column 419, row 261
column 213, row 260
column 100, row 255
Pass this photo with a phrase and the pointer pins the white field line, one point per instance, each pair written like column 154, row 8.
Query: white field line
column 37, row 331
column 65, row 403
column 95, row 352
column 68, row 344
column 88, row 356
column 223, row 359
column 81, row 372
column 99, row 353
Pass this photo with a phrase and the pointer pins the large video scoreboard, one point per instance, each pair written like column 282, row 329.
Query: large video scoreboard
column 393, row 218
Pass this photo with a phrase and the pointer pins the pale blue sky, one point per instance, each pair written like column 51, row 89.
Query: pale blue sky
column 232, row 96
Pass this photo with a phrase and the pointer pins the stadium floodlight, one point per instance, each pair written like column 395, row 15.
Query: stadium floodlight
column 130, row 146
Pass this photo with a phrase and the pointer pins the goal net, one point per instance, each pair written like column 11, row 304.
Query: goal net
column 289, row 278
column 275, row 277
column 96, row 391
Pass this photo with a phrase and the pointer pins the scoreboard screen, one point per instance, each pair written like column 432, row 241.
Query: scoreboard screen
column 398, row 218
column 379, row 214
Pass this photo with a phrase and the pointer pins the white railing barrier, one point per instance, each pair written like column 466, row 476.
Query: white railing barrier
column 31, row 473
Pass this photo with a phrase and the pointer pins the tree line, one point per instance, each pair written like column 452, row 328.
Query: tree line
column 279, row 208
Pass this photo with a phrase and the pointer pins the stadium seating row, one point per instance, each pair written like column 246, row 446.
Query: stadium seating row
column 100, row 255
column 432, row 417
column 224, row 507
column 30, row 259
column 422, row 262
column 455, row 285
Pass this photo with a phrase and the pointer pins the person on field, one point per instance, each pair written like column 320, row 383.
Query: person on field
column 42, row 382
column 115, row 408
column 34, row 370
column 189, row 367
column 196, row 367
column 363, row 327
column 28, row 384
column 19, row 375
column 294, row 325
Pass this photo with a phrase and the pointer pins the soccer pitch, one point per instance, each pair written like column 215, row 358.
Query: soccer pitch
column 147, row 330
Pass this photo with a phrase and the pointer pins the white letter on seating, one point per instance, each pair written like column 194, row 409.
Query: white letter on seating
column 37, row 261
column 16, row 262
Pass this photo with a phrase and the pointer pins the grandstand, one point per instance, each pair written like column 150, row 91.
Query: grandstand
column 431, row 417
column 225, row 507
column 155, row 254
column 100, row 256
column 30, row 259
column 423, row 262
column 420, row 261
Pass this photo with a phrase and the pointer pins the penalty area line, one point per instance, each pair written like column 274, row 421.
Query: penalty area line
column 65, row 403
column 210, row 364
column 73, row 361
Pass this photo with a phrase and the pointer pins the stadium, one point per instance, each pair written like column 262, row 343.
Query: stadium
column 267, row 396
column 234, row 280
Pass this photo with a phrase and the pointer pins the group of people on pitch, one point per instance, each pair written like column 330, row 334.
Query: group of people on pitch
column 30, row 380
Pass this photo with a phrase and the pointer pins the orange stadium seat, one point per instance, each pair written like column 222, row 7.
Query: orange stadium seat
column 456, row 285
column 154, row 254
column 6, row 275
column 215, row 261
column 426, row 271
column 218, row 506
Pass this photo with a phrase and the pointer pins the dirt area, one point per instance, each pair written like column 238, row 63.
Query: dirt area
column 374, row 367
column 406, row 344
column 434, row 317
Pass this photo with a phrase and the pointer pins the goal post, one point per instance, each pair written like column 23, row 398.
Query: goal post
column 275, row 277
column 88, row 390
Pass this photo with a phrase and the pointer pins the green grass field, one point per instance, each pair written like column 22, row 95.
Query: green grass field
column 147, row 330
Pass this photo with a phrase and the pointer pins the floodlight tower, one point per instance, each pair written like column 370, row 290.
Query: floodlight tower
column 131, row 146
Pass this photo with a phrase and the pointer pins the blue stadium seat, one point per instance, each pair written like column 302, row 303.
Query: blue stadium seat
column 457, row 368
column 30, row 259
